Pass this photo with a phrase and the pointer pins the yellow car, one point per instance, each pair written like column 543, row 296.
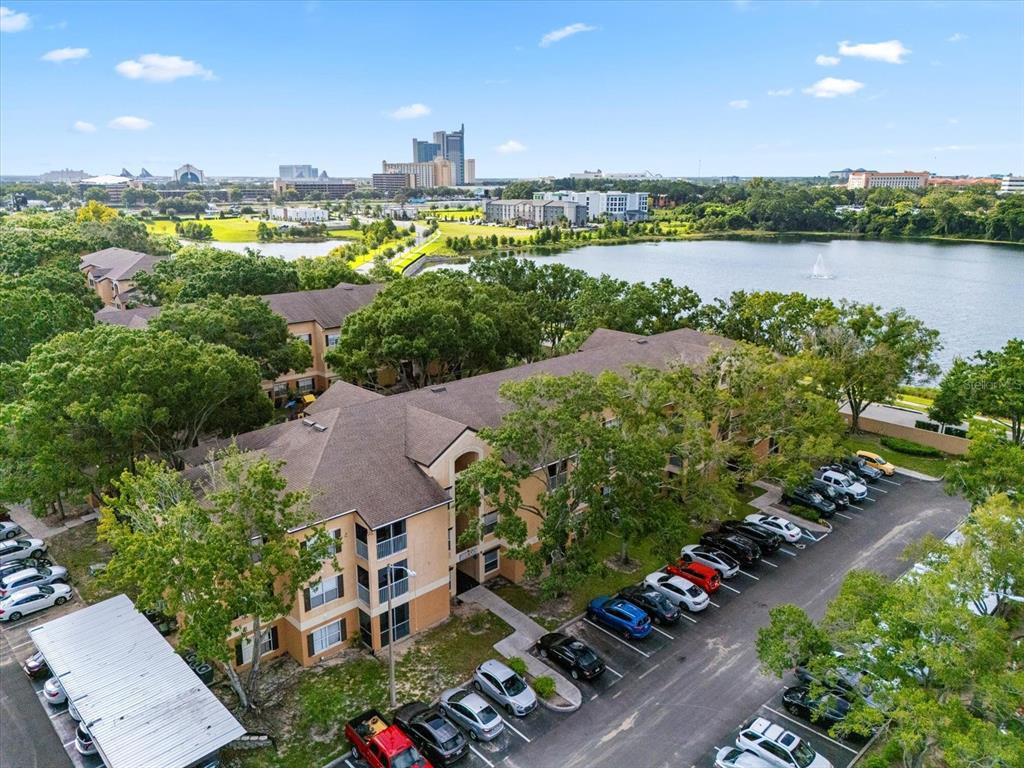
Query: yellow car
column 876, row 461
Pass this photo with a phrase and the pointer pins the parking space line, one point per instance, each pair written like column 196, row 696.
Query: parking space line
column 879, row 490
column 714, row 603
column 769, row 562
column 349, row 762
column 515, row 730
column 69, row 744
column 593, row 696
column 812, row 729
column 645, row 674
column 750, row 575
column 689, row 618
column 890, row 482
column 731, row 589
column 869, row 498
column 618, row 674
column 22, row 644
column 619, row 639
column 786, row 551
column 475, row 752
column 854, row 506
column 663, row 632
column 845, row 517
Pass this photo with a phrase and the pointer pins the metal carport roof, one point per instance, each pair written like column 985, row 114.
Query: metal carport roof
column 142, row 704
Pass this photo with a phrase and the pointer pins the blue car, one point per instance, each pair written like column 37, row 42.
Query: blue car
column 620, row 616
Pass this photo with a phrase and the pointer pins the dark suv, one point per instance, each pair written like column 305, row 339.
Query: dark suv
column 805, row 496
column 837, row 496
column 859, row 467
column 441, row 742
column 740, row 547
column 651, row 601
column 766, row 540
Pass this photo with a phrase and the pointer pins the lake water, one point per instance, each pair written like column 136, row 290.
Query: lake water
column 973, row 294
column 286, row 251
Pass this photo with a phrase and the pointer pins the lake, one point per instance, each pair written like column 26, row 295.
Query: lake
column 286, row 251
column 973, row 294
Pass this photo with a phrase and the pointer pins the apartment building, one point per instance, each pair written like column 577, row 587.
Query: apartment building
column 438, row 172
column 315, row 317
column 328, row 188
column 875, row 179
column 1012, row 185
column 111, row 273
column 535, row 213
column 392, row 182
column 382, row 472
column 618, row 206
column 302, row 214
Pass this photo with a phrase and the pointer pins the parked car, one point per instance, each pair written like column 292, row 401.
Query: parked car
column 837, row 496
column 32, row 599
column 35, row 666
column 436, row 736
column 19, row 565
column 778, row 746
column 854, row 488
column 704, row 576
column 54, row 693
column 726, row 565
column 652, row 602
column 8, row 529
column 805, row 496
column 380, row 744
column 680, row 591
column 572, row 654
column 473, row 713
column 875, row 461
column 620, row 616
column 767, row 541
column 19, row 549
column 780, row 525
column 739, row 547
column 83, row 741
column 829, row 708
column 32, row 577
column 859, row 467
column 502, row 684
column 734, row 757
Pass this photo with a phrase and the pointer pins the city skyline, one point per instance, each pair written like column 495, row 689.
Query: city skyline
column 681, row 90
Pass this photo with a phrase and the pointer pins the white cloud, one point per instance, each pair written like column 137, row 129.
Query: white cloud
column 130, row 123
column 954, row 148
column 510, row 147
column 956, row 37
column 739, row 103
column 410, row 112
column 12, row 21
column 891, row 51
column 567, row 31
column 952, row 120
column 83, row 127
column 830, row 87
column 158, row 68
column 826, row 61
column 781, row 92
column 65, row 54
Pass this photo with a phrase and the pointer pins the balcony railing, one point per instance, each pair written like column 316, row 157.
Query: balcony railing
column 400, row 587
column 388, row 547
column 364, row 594
column 362, row 550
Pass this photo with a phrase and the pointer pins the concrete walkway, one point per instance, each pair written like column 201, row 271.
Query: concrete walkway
column 527, row 633
column 918, row 475
column 38, row 529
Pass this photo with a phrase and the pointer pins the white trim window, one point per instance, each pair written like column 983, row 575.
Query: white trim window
column 491, row 561
column 326, row 637
column 305, row 386
column 323, row 592
column 558, row 473
column 488, row 523
column 331, row 339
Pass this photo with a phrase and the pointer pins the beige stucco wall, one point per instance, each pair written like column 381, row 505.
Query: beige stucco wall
column 947, row 443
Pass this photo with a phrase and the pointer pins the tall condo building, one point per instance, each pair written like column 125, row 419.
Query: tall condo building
column 446, row 145
column 297, row 172
column 425, row 151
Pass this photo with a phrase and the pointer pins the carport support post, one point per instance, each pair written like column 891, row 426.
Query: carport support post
column 391, row 631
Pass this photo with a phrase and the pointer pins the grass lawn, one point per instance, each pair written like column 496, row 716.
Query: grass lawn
column 233, row 230
column 76, row 549
column 346, row 234
column 457, row 229
column 452, row 214
column 310, row 717
column 930, row 466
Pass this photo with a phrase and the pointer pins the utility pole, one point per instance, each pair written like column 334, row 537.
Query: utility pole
column 391, row 630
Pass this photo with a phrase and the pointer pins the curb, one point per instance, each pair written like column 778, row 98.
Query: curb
column 918, row 475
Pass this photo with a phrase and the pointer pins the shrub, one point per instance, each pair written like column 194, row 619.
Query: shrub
column 807, row 513
column 544, row 686
column 910, row 448
column 517, row 665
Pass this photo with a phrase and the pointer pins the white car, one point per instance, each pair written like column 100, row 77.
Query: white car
column 8, row 529
column 777, row 525
column 679, row 591
column 838, row 480
column 54, row 692
column 19, row 549
column 777, row 746
column 32, row 599
column 32, row 577
column 732, row 757
column 726, row 566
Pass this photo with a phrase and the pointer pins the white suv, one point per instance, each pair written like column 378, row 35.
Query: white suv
column 778, row 746
column 838, row 480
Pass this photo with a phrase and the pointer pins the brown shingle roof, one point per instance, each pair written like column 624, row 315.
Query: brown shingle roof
column 138, row 317
column 327, row 307
column 118, row 263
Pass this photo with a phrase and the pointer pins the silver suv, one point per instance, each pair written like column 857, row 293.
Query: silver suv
column 778, row 746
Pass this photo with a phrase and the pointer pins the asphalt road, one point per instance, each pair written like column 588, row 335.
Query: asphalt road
column 683, row 693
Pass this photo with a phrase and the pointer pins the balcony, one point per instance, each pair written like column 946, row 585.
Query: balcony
column 362, row 550
column 363, row 593
column 391, row 546
column 400, row 587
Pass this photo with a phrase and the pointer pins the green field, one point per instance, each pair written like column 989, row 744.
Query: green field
column 452, row 214
column 457, row 229
column 234, row 230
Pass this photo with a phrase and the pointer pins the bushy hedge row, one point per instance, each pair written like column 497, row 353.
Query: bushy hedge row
column 910, row 448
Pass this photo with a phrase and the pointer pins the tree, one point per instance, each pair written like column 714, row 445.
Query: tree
column 778, row 321
column 84, row 406
column 29, row 316
column 94, row 210
column 789, row 640
column 199, row 271
column 326, row 272
column 382, row 271
column 993, row 465
column 952, row 404
column 440, row 326
column 212, row 554
column 242, row 323
column 870, row 352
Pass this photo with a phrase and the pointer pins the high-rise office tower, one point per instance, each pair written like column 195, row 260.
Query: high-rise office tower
column 453, row 148
column 425, row 151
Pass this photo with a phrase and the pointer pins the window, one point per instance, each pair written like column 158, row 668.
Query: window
column 243, row 648
column 332, row 547
column 306, row 337
column 400, row 614
column 305, row 385
column 331, row 339
column 399, row 581
column 491, row 561
column 489, row 523
column 280, row 388
column 323, row 592
column 363, row 584
column 319, row 640
column 361, row 546
column 557, row 473
column 391, row 539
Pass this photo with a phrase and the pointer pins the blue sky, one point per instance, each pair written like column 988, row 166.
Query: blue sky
column 544, row 89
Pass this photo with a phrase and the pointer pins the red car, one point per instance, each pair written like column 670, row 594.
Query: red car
column 704, row 577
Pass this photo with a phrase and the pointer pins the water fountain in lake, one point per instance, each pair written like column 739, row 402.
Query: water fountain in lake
column 820, row 271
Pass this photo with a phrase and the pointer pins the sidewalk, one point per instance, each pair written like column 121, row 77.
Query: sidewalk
column 917, row 475
column 527, row 633
column 38, row 529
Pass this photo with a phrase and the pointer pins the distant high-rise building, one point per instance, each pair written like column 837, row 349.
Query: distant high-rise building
column 437, row 173
column 893, row 180
column 1012, row 185
column 469, row 171
column 297, row 172
column 453, row 148
column 65, row 176
column 424, row 151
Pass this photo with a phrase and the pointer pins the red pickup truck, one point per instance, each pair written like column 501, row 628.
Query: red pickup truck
column 380, row 744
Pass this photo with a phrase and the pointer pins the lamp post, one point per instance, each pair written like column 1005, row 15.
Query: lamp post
column 391, row 630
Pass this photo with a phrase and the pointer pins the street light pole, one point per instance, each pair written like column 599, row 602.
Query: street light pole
column 391, row 630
